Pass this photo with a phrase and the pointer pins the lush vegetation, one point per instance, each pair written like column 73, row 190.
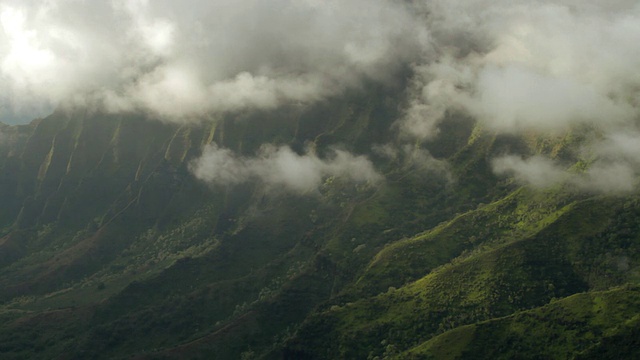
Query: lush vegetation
column 110, row 248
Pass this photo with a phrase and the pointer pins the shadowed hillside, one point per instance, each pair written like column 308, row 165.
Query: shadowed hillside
column 112, row 248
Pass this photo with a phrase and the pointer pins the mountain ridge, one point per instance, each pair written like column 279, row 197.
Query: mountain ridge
column 109, row 236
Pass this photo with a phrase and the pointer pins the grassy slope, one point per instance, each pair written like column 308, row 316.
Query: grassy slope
column 518, row 215
column 597, row 325
column 500, row 277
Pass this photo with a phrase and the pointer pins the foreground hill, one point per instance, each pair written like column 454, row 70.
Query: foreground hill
column 111, row 248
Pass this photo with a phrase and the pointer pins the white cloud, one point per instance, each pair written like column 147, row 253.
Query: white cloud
column 545, row 67
column 412, row 156
column 518, row 66
column 608, row 177
column 280, row 168
column 181, row 60
column 619, row 145
column 537, row 171
column 514, row 65
column 511, row 99
column 602, row 176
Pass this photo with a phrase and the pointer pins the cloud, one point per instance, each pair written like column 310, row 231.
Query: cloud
column 621, row 146
column 436, row 90
column 608, row 178
column 518, row 66
column 512, row 98
column 414, row 157
column 537, row 171
column 513, row 65
column 281, row 168
column 602, row 176
column 616, row 164
column 180, row 60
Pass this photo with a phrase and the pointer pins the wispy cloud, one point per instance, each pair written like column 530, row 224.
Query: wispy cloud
column 516, row 66
column 513, row 65
column 547, row 67
column 280, row 168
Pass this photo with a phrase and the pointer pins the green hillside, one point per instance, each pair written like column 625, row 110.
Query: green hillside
column 592, row 325
column 111, row 248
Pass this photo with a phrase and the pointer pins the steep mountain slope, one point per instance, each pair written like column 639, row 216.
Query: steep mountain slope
column 105, row 206
column 591, row 325
column 111, row 248
column 496, row 280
